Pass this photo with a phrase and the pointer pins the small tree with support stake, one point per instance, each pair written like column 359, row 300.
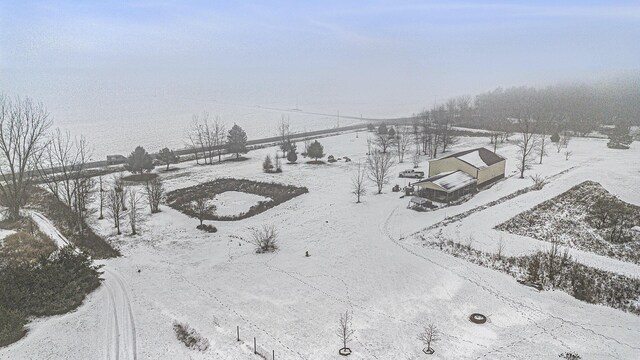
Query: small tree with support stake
column 345, row 332
column 430, row 335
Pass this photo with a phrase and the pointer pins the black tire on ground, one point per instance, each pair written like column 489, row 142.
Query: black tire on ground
column 477, row 318
column 344, row 351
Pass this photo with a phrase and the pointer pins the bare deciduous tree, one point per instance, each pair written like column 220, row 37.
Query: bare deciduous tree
column 115, row 212
column 379, row 168
column 23, row 124
column 62, row 168
column 101, row 192
column 345, row 329
column 119, row 186
column 155, row 191
column 134, row 210
column 526, row 144
column 403, row 139
column 84, row 192
column 63, row 160
column 429, row 335
column 358, row 182
column 201, row 208
column 284, row 134
column 415, row 158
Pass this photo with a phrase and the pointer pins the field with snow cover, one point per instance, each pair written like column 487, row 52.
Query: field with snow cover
column 366, row 258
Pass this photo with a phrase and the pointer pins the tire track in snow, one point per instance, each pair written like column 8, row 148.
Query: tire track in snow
column 121, row 328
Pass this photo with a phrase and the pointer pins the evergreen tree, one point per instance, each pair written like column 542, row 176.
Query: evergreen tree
column 139, row 161
column 237, row 141
column 292, row 157
column 382, row 129
column 267, row 164
column 167, row 156
column 316, row 150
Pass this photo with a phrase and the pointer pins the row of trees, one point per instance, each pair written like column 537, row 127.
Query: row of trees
column 578, row 108
column 209, row 138
column 345, row 331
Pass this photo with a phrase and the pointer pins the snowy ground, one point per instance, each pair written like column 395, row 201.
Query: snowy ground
column 363, row 259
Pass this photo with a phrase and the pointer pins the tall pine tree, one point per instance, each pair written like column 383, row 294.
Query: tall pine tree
column 237, row 141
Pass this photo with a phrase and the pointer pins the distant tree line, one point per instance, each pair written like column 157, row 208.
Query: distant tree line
column 578, row 108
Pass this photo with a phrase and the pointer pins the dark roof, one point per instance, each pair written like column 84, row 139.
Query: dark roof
column 487, row 156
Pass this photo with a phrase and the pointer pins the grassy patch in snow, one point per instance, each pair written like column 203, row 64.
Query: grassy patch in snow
column 585, row 217
column 183, row 199
column 190, row 337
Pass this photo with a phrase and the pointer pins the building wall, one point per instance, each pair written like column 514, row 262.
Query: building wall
column 450, row 164
column 492, row 172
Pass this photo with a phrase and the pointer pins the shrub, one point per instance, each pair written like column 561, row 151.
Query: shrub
column 292, row 157
column 23, row 248
column 190, row 337
column 265, row 239
column 207, row 228
column 11, row 326
column 52, row 286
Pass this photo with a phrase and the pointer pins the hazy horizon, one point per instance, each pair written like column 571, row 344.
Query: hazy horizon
column 129, row 63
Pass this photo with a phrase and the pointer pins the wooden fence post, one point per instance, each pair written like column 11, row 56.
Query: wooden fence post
column 254, row 346
column 238, row 332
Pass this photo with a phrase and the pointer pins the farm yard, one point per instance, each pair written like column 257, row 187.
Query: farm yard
column 378, row 260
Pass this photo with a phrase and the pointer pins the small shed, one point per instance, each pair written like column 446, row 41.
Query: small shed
column 448, row 186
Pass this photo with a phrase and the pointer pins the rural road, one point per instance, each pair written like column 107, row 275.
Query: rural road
column 120, row 332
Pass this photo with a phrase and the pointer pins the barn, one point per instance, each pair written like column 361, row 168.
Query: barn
column 457, row 175
column 482, row 164
column 447, row 186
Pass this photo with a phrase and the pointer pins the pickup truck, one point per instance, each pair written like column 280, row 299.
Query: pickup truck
column 412, row 174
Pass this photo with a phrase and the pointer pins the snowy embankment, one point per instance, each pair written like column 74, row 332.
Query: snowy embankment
column 362, row 260
column 118, row 338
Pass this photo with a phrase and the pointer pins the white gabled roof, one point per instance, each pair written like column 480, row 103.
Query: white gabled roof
column 474, row 159
column 451, row 181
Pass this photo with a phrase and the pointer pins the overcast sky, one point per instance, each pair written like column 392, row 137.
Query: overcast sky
column 397, row 52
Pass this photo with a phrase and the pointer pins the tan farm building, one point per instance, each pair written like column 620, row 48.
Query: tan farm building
column 460, row 174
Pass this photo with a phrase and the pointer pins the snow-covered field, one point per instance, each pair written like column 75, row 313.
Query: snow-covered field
column 363, row 259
